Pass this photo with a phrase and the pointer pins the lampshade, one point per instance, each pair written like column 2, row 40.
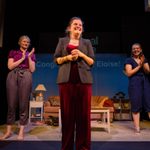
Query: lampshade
column 40, row 87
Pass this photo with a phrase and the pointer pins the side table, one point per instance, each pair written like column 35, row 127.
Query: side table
column 36, row 110
column 105, row 123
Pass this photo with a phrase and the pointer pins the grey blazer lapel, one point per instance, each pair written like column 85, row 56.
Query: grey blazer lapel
column 66, row 41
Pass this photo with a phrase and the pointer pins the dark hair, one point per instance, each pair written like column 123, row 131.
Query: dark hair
column 138, row 44
column 70, row 22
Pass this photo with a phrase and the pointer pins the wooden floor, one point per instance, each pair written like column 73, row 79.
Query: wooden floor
column 119, row 131
column 44, row 137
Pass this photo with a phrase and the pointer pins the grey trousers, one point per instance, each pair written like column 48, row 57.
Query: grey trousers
column 18, row 86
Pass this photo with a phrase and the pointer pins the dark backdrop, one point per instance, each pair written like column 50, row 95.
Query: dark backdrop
column 126, row 19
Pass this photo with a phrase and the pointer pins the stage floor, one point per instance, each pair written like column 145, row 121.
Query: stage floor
column 119, row 131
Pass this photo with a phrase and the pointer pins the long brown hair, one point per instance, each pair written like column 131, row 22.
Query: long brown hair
column 70, row 22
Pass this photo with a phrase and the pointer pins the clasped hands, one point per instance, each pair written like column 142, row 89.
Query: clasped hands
column 74, row 55
column 141, row 61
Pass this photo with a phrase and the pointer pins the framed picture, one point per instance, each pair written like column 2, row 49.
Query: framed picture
column 147, row 5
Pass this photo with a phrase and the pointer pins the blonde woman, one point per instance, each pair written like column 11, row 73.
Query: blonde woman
column 21, row 64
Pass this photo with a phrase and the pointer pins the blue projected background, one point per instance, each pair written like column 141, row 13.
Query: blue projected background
column 107, row 73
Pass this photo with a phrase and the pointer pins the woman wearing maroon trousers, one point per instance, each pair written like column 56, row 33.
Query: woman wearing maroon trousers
column 75, row 57
column 21, row 64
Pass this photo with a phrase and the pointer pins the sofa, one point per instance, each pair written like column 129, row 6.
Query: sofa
column 52, row 105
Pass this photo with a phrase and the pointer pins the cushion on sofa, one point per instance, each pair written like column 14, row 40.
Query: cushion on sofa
column 108, row 103
column 98, row 101
column 54, row 100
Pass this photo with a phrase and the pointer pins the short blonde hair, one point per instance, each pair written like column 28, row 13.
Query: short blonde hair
column 23, row 37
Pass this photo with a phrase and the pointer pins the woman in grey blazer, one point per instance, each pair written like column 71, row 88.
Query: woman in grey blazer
column 75, row 57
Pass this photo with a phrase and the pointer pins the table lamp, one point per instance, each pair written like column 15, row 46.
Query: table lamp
column 40, row 89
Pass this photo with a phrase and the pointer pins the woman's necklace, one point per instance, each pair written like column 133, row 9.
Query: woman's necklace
column 74, row 42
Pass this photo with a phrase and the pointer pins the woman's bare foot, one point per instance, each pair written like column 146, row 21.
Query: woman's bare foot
column 21, row 133
column 20, row 137
column 137, row 130
column 6, row 136
column 8, row 133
